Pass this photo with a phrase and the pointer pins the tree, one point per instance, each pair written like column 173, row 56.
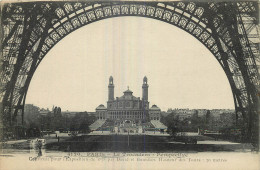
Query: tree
column 195, row 118
column 208, row 117
column 81, row 122
column 168, row 120
column 173, row 129
column 57, row 120
column 31, row 116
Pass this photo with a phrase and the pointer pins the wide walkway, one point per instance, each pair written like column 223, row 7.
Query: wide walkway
column 158, row 125
column 97, row 124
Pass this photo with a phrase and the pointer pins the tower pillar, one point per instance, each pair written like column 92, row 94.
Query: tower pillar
column 111, row 89
column 145, row 89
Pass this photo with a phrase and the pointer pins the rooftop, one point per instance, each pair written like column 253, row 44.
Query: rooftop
column 154, row 107
column 101, row 107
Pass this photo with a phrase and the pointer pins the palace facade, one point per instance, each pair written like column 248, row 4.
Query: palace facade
column 128, row 107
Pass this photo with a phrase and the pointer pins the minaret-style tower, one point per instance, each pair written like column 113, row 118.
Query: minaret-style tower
column 145, row 89
column 111, row 89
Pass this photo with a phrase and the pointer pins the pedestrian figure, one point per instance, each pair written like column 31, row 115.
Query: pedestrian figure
column 68, row 148
column 58, row 139
column 39, row 145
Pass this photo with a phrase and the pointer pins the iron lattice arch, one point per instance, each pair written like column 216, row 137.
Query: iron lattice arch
column 31, row 29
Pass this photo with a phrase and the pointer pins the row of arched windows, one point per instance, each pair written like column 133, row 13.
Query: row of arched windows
column 127, row 114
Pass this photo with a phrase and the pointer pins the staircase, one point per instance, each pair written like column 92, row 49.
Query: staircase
column 97, row 124
column 158, row 125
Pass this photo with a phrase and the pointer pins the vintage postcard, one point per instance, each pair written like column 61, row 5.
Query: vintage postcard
column 129, row 84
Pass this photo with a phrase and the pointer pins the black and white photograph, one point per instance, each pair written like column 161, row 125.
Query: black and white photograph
column 89, row 84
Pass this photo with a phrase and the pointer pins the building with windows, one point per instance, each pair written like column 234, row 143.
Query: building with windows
column 155, row 113
column 128, row 107
column 101, row 111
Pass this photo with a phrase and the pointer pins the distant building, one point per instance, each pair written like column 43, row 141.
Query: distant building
column 101, row 112
column 44, row 112
column 68, row 113
column 92, row 114
column 128, row 107
column 155, row 113
column 187, row 113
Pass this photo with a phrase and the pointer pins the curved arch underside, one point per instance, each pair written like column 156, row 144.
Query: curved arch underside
column 32, row 29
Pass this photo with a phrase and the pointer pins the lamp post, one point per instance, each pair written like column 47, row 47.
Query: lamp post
column 128, row 139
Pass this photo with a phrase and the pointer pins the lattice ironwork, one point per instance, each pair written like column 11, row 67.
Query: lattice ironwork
column 30, row 30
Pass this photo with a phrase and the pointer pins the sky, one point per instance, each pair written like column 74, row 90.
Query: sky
column 181, row 72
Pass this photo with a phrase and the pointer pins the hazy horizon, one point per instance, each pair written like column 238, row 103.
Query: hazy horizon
column 181, row 72
column 150, row 106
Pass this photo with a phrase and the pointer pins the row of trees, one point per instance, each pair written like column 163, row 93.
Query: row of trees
column 195, row 122
column 54, row 120
column 230, row 126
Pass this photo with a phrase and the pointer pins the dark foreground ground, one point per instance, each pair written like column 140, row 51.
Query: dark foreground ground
column 136, row 143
